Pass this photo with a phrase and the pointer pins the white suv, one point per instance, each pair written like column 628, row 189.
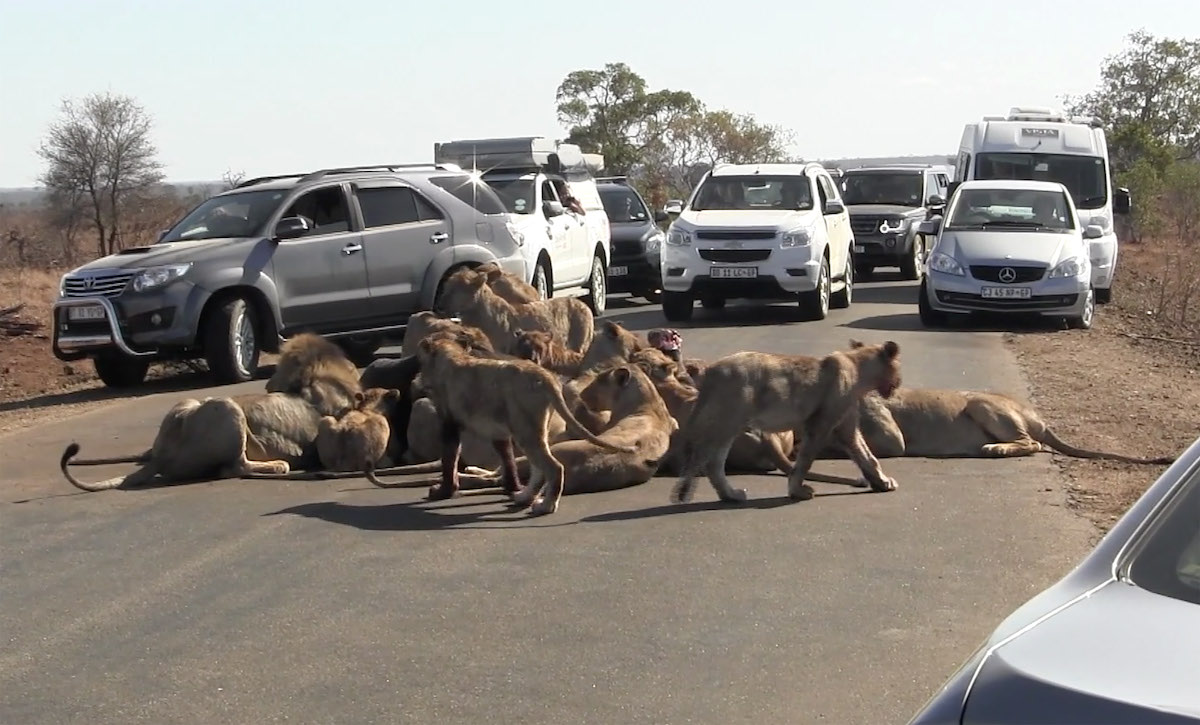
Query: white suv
column 761, row 231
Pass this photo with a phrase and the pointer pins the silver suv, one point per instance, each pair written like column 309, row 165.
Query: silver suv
column 349, row 253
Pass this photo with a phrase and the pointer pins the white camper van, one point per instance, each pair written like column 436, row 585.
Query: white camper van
column 1040, row 144
column 565, row 250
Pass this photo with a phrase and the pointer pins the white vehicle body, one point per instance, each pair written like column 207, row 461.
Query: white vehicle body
column 563, row 249
column 1040, row 144
column 786, row 235
column 1009, row 246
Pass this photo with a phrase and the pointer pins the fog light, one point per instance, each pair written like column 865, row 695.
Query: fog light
column 890, row 242
column 156, row 319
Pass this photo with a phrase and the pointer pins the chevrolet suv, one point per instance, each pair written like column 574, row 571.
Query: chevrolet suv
column 762, row 231
column 886, row 203
column 348, row 253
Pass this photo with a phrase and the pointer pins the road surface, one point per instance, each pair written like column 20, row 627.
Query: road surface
column 263, row 602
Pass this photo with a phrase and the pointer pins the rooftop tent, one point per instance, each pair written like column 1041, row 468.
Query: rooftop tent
column 514, row 154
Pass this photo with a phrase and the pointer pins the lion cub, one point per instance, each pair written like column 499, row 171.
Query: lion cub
column 359, row 439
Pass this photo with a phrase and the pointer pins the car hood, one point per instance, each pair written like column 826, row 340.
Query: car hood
column 153, row 255
column 775, row 219
column 630, row 231
column 1122, row 654
column 1009, row 247
column 884, row 210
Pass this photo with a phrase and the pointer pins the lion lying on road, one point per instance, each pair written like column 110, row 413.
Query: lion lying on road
column 318, row 371
column 771, row 393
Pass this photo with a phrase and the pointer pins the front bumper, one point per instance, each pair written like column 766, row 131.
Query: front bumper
column 881, row 249
column 784, row 273
column 139, row 325
column 1058, row 297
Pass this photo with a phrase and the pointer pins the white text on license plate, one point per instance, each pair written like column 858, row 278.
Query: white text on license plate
column 859, row 249
column 734, row 272
column 93, row 312
column 617, row 271
column 1006, row 293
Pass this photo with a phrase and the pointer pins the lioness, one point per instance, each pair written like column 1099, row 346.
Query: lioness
column 423, row 324
column 543, row 349
column 775, row 393
column 936, row 423
column 504, row 400
column 466, row 293
column 358, row 441
column 509, row 286
column 318, row 371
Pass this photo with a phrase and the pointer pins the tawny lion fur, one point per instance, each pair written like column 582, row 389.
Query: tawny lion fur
column 318, row 371
column 776, row 393
column 358, row 441
column 509, row 286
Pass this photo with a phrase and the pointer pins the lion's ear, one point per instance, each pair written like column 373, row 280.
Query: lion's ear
column 359, row 396
column 622, row 375
column 611, row 328
column 493, row 273
column 855, row 344
column 425, row 345
column 890, row 350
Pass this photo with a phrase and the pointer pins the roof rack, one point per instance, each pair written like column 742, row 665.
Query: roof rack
column 377, row 167
column 263, row 179
column 612, row 179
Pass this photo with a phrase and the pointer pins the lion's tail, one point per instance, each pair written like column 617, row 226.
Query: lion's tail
column 72, row 450
column 1048, row 438
column 560, row 404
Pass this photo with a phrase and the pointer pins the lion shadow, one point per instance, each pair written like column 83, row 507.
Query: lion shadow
column 422, row 515
column 752, row 504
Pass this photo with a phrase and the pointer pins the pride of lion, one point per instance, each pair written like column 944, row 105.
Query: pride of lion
column 496, row 389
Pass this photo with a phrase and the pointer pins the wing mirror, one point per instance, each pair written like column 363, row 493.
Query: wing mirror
column 1093, row 231
column 553, row 209
column 673, row 207
column 930, row 227
column 934, row 201
column 834, row 206
column 1122, row 202
column 291, row 227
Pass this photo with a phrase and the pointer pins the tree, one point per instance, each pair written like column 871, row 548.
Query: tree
column 100, row 149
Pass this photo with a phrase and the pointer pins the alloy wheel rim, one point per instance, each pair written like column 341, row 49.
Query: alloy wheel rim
column 243, row 341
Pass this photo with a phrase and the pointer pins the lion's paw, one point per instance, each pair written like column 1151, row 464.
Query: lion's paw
column 682, row 493
column 803, row 492
column 543, row 506
column 736, row 495
column 861, row 482
column 887, row 484
column 438, row 492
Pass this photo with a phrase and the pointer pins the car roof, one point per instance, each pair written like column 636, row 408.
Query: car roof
column 1014, row 184
column 903, row 169
column 768, row 169
column 289, row 181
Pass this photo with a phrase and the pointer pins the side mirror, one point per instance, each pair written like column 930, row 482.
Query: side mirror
column 834, row 206
column 1093, row 231
column 661, row 216
column 673, row 208
column 1122, row 202
column 553, row 209
column 291, row 227
column 930, row 227
column 935, row 200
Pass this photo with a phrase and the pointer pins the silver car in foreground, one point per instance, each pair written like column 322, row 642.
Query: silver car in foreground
column 1115, row 641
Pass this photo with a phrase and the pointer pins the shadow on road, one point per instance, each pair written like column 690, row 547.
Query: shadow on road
column 905, row 294
column 911, row 322
column 747, row 314
column 758, row 504
column 420, row 516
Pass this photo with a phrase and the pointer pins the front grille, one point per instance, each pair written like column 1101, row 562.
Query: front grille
column 627, row 248
column 102, row 284
column 865, row 224
column 1037, row 302
column 991, row 273
column 739, row 234
column 734, row 255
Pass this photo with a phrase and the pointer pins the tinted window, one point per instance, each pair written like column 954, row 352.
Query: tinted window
column 1168, row 562
column 622, row 204
column 515, row 194
column 754, row 192
column 1082, row 175
column 325, row 209
column 387, row 205
column 471, row 191
column 902, row 188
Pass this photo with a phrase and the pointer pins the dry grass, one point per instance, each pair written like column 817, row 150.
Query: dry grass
column 35, row 288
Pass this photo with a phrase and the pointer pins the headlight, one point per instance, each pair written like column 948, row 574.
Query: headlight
column 678, row 237
column 516, row 234
column 885, row 226
column 62, row 286
column 158, row 276
column 796, row 238
column 1072, row 267
column 945, row 264
column 653, row 242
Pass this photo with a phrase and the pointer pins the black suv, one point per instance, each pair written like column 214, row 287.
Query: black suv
column 636, row 239
column 886, row 203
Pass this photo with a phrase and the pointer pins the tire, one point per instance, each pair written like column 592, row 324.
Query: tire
column 541, row 280
column 1103, row 295
column 118, row 370
column 713, row 303
column 231, row 344
column 360, row 350
column 842, row 298
column 652, row 296
column 597, row 296
column 1085, row 320
column 677, row 306
column 929, row 316
column 814, row 305
column 912, row 267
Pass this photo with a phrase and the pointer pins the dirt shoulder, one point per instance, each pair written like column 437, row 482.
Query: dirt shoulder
column 1112, row 388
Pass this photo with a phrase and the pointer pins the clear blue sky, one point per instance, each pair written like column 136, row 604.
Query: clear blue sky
column 268, row 86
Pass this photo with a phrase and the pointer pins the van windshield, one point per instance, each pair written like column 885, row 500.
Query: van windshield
column 1084, row 176
column 516, row 194
column 228, row 215
column 875, row 187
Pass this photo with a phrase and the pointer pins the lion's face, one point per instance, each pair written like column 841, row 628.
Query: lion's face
column 611, row 384
column 878, row 365
column 378, row 400
column 460, row 290
column 533, row 345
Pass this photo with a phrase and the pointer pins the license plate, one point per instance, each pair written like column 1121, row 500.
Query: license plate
column 858, row 248
column 92, row 312
column 617, row 271
column 1006, row 293
column 734, row 272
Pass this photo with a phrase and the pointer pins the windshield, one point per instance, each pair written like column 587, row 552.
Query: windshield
column 229, row 215
column 754, row 192
column 901, row 189
column 1024, row 209
column 516, row 194
column 622, row 204
column 1169, row 561
column 1082, row 175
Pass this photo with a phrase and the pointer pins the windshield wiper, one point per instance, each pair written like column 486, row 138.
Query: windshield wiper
column 1013, row 223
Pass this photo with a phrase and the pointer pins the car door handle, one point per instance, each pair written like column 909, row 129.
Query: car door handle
column 351, row 249
column 438, row 237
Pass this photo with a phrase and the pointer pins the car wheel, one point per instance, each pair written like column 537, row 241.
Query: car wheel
column 843, row 297
column 1103, row 295
column 814, row 305
column 677, row 306
column 653, row 296
column 118, row 370
column 713, row 303
column 597, row 296
column 913, row 266
column 929, row 316
column 1084, row 320
column 360, row 350
column 541, row 280
column 231, row 344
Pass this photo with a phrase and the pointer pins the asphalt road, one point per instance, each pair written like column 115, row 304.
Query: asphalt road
column 262, row 602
